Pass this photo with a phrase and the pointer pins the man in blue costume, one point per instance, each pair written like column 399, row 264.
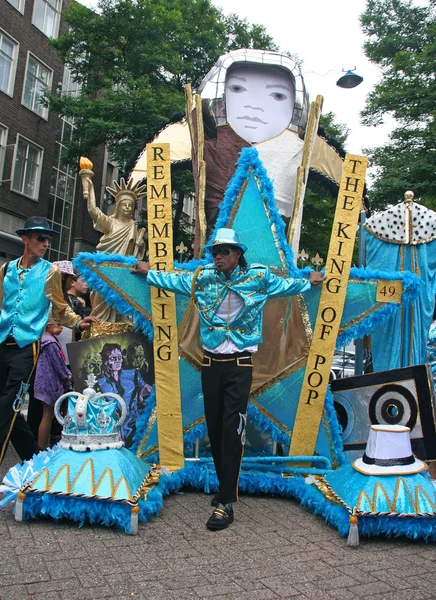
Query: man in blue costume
column 229, row 296
column 27, row 286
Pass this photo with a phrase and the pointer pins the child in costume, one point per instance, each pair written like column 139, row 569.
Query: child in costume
column 52, row 378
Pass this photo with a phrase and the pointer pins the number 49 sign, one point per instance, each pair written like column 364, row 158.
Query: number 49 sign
column 389, row 291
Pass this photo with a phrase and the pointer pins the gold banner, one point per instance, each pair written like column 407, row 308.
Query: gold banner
column 331, row 305
column 165, row 343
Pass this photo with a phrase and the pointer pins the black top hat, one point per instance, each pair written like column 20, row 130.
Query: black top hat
column 36, row 224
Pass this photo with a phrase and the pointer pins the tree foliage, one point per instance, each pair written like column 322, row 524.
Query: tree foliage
column 242, row 34
column 401, row 40
column 319, row 207
column 339, row 131
column 133, row 59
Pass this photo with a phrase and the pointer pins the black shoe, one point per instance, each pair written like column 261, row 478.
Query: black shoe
column 221, row 517
column 215, row 501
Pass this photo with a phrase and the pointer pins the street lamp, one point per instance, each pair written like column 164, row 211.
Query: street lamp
column 349, row 80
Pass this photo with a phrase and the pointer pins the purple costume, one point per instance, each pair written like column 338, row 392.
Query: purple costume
column 51, row 371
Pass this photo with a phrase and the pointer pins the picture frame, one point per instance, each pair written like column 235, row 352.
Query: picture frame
column 122, row 364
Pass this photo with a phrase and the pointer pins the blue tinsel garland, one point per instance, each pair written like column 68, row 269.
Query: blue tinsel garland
column 142, row 422
column 249, row 161
column 201, row 476
column 112, row 298
column 412, row 285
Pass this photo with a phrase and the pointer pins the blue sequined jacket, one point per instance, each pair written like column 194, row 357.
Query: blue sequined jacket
column 209, row 288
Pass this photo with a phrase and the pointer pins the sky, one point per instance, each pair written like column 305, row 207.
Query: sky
column 327, row 37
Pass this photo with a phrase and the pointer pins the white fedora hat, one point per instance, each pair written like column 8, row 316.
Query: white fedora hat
column 389, row 452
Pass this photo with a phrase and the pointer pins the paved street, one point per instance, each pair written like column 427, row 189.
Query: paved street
column 275, row 549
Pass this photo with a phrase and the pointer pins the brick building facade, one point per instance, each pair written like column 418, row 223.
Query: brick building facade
column 33, row 178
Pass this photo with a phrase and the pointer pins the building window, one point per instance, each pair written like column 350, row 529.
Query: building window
column 38, row 78
column 62, row 192
column 69, row 85
column 63, row 181
column 8, row 63
column 26, row 170
column 3, row 145
column 46, row 16
column 18, row 4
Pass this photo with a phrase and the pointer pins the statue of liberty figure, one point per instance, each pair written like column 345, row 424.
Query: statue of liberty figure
column 120, row 232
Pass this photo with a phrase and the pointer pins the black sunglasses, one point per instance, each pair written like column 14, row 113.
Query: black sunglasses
column 223, row 250
column 44, row 238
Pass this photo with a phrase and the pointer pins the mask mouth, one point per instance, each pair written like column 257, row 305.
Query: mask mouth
column 252, row 119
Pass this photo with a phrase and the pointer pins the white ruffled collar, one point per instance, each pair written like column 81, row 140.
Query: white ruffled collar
column 390, row 225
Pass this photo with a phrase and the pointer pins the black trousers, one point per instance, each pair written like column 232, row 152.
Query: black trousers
column 16, row 366
column 226, row 382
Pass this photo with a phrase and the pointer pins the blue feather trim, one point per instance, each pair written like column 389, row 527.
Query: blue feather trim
column 337, row 516
column 412, row 285
column 195, row 433
column 89, row 510
column 112, row 298
column 265, row 424
column 335, row 428
column 249, row 161
column 202, row 476
column 142, row 423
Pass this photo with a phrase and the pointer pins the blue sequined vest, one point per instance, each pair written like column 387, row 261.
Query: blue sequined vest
column 25, row 306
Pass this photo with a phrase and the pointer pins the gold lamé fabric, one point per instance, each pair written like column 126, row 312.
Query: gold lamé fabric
column 103, row 312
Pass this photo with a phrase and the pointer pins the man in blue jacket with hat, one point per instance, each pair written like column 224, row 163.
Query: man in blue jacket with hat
column 229, row 296
column 27, row 287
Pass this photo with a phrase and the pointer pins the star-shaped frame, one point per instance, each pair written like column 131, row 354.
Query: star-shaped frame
column 249, row 207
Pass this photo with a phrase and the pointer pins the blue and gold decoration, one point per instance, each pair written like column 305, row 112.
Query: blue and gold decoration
column 113, row 486
column 387, row 491
column 249, row 207
column 89, row 476
column 403, row 237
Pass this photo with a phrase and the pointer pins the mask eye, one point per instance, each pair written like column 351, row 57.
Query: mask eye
column 279, row 96
column 237, row 89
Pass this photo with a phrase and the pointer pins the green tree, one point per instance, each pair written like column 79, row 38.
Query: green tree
column 338, row 131
column 242, row 34
column 133, row 59
column 401, row 40
column 319, row 206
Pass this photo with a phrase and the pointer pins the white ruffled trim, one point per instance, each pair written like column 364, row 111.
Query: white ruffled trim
column 90, row 447
column 390, row 224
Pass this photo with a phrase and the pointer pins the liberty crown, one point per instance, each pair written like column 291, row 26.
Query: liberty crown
column 92, row 421
column 136, row 191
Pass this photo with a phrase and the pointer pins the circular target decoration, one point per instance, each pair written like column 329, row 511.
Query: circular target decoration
column 393, row 404
column 346, row 417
